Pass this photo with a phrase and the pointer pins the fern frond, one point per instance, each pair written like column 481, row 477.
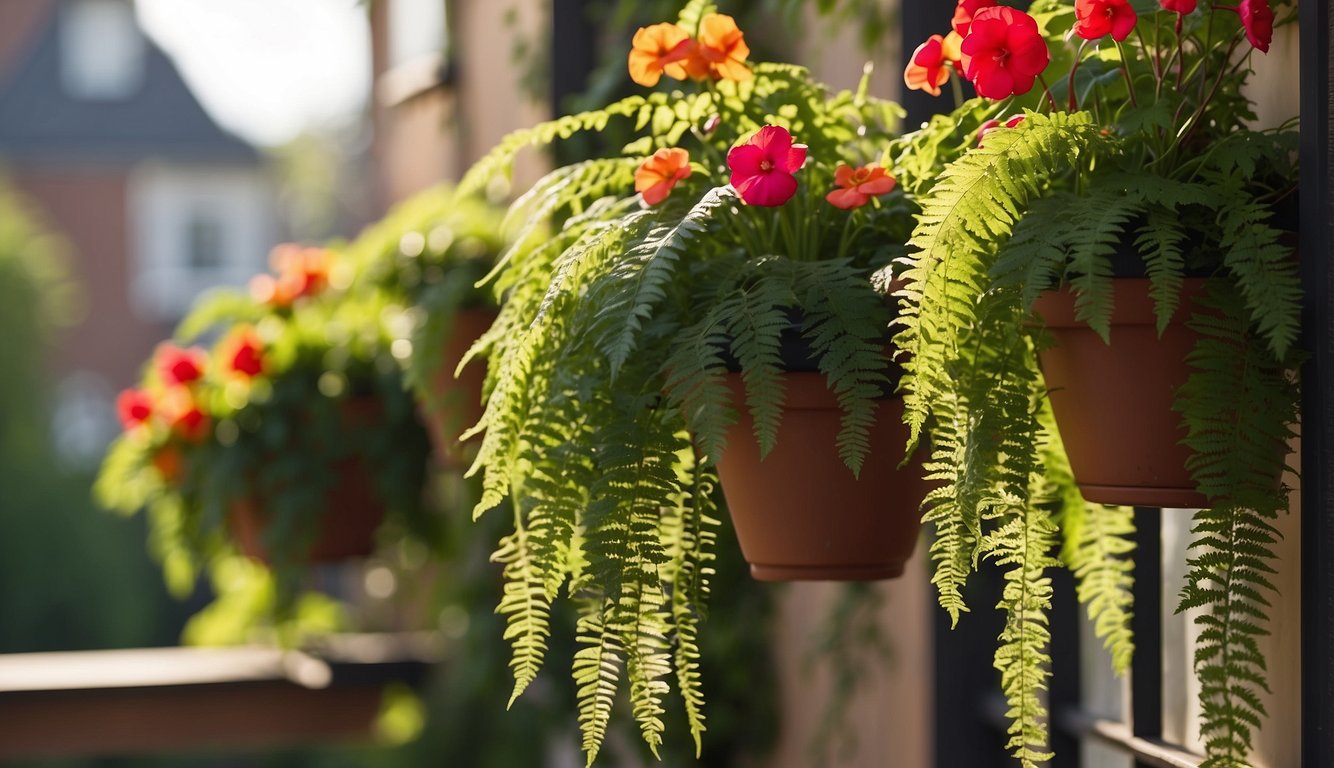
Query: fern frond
column 1237, row 405
column 691, row 525
column 526, row 607
column 597, row 671
column 1266, row 270
column 639, row 280
column 974, row 205
column 1160, row 241
column 847, row 322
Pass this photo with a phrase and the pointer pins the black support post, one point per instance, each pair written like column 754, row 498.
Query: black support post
column 1146, row 671
column 573, row 51
column 1316, row 238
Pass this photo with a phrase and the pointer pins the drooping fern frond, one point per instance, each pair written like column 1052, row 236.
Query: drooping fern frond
column 1266, row 271
column 596, row 670
column 639, row 280
column 691, row 525
column 973, row 207
column 1237, row 405
column 840, row 308
column 1023, row 544
column 1160, row 241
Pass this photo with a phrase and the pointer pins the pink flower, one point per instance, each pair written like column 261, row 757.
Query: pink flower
column 1004, row 52
column 1258, row 19
column 857, row 187
column 1182, row 7
column 1095, row 19
column 762, row 168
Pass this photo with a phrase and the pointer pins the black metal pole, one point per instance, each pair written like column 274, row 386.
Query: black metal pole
column 573, row 51
column 1146, row 670
column 1316, row 238
column 920, row 21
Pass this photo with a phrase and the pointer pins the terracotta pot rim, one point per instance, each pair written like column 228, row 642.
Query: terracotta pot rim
column 1131, row 303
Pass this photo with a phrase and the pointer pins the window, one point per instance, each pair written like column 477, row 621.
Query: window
column 194, row 228
column 416, row 30
column 204, row 242
column 102, row 50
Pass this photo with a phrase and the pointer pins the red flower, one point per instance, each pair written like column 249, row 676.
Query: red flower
column 1182, row 7
column 176, row 366
column 964, row 13
column 1095, row 19
column 1258, row 19
column 762, row 168
column 856, row 188
column 656, row 50
column 926, row 69
column 656, row 177
column 1004, row 52
column 134, row 407
column 242, row 352
column 992, row 125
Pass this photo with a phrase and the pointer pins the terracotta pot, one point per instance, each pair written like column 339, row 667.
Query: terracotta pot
column 800, row 514
column 352, row 509
column 1113, row 402
column 352, row 513
column 456, row 403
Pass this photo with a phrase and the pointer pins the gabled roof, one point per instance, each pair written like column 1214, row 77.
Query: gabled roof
column 40, row 122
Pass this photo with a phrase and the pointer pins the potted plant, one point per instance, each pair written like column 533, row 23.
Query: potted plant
column 721, row 317
column 428, row 255
column 1125, row 200
column 291, row 439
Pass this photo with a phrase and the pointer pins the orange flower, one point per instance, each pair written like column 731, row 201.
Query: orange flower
column 184, row 416
column 951, row 50
column 658, row 49
column 168, row 462
column 656, row 177
column 301, row 272
column 722, row 47
column 857, row 187
column 926, row 69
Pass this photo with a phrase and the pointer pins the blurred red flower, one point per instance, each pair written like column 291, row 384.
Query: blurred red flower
column 658, row 174
column 1095, row 19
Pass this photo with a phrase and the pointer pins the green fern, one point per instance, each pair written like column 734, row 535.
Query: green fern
column 1236, row 406
column 975, row 205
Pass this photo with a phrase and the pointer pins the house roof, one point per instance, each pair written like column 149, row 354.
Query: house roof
column 41, row 122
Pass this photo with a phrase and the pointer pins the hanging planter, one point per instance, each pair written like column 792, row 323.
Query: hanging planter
column 346, row 518
column 1114, row 402
column 799, row 512
column 453, row 404
column 350, row 515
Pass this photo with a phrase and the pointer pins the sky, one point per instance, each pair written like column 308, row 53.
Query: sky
column 268, row 69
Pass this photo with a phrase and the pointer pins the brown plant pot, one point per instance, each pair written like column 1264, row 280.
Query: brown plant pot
column 352, row 508
column 1113, row 402
column 456, row 403
column 800, row 514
